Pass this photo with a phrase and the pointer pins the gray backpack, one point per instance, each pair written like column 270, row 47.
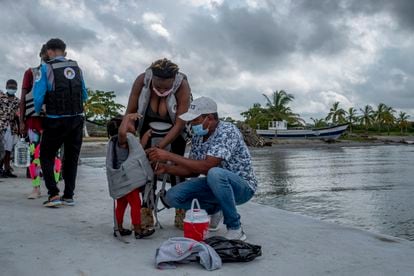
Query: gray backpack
column 134, row 173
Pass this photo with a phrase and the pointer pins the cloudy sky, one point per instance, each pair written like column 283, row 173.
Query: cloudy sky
column 357, row 52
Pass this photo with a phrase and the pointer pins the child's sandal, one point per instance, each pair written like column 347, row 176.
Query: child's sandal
column 125, row 232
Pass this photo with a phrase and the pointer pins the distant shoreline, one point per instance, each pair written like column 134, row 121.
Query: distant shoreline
column 96, row 146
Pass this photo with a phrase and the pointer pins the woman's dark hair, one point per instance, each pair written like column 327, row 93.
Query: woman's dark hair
column 164, row 68
column 56, row 44
column 113, row 125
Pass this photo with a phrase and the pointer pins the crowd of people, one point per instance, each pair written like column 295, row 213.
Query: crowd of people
column 218, row 171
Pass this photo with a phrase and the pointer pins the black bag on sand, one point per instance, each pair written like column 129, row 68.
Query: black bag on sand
column 233, row 250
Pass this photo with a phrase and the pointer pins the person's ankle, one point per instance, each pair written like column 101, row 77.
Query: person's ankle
column 54, row 197
column 136, row 227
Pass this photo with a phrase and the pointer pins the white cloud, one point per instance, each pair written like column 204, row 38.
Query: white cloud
column 119, row 79
column 122, row 38
column 209, row 4
column 154, row 22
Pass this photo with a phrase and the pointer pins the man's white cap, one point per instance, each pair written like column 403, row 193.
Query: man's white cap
column 198, row 107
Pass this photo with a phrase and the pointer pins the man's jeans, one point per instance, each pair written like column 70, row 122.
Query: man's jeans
column 220, row 190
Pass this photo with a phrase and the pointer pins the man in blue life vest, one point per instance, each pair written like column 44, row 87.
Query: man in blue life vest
column 61, row 88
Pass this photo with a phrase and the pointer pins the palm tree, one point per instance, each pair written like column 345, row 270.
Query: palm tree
column 389, row 118
column 384, row 116
column 379, row 115
column 279, row 102
column 318, row 123
column 351, row 117
column 367, row 117
column 336, row 114
column 278, row 109
column 402, row 121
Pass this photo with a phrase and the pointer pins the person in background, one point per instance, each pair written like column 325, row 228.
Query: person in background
column 31, row 122
column 9, row 106
column 161, row 94
column 61, row 88
column 220, row 154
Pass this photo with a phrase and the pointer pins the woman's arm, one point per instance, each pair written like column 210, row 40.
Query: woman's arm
column 134, row 95
column 183, row 103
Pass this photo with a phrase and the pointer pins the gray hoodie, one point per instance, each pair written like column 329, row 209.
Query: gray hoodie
column 184, row 250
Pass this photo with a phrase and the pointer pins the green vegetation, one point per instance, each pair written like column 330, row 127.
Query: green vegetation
column 99, row 108
column 276, row 109
column 382, row 120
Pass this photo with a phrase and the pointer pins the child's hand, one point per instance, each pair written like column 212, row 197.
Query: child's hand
column 145, row 138
column 128, row 122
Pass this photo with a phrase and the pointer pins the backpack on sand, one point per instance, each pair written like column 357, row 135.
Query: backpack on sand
column 231, row 251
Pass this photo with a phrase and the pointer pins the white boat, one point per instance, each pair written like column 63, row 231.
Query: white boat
column 278, row 129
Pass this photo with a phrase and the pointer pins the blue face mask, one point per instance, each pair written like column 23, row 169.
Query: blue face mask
column 11, row 92
column 198, row 130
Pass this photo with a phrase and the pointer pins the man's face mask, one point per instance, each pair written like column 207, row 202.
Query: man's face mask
column 11, row 91
column 198, row 129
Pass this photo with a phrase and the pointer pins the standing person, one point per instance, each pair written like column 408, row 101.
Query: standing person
column 31, row 122
column 162, row 94
column 220, row 153
column 61, row 88
column 9, row 106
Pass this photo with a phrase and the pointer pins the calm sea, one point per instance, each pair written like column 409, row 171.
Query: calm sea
column 370, row 187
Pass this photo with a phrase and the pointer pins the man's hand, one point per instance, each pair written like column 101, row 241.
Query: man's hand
column 22, row 129
column 161, row 168
column 156, row 154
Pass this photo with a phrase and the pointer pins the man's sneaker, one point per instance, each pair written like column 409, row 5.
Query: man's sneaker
column 3, row 174
column 53, row 202
column 9, row 174
column 235, row 234
column 215, row 221
column 35, row 193
column 67, row 201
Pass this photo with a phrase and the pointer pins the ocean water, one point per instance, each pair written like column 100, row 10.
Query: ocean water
column 369, row 187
